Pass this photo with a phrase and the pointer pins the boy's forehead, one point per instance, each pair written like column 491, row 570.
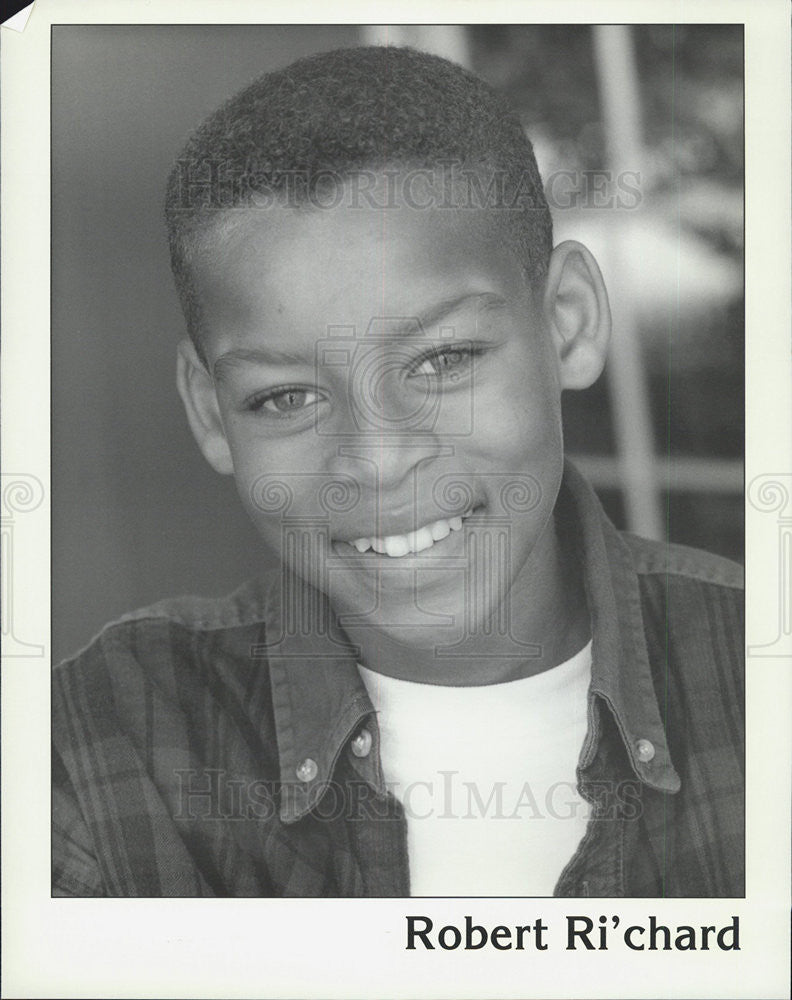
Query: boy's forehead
column 349, row 263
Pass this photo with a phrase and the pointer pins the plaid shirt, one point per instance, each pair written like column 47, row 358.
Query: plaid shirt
column 202, row 750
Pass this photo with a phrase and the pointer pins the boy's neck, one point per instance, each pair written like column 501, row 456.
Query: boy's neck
column 549, row 623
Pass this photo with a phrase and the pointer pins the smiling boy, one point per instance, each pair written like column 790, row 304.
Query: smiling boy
column 462, row 680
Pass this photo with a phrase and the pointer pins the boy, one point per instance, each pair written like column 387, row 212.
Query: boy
column 463, row 680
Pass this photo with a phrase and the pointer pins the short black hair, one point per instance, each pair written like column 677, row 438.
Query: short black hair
column 341, row 112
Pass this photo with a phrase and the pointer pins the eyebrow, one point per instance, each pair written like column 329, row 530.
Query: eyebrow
column 417, row 324
column 406, row 326
column 272, row 356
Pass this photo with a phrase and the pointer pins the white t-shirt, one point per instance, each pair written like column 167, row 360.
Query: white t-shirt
column 487, row 778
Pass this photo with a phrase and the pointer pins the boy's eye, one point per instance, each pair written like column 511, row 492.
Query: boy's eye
column 283, row 402
column 439, row 362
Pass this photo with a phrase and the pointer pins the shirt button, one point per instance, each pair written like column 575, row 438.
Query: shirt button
column 307, row 770
column 646, row 750
column 361, row 744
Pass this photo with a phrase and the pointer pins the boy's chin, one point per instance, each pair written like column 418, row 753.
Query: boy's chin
column 422, row 611
column 395, row 638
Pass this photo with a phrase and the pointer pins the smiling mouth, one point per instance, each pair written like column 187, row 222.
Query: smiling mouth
column 396, row 546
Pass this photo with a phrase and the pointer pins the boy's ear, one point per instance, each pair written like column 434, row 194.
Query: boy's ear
column 577, row 313
column 197, row 391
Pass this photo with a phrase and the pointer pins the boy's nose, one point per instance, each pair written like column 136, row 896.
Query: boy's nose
column 386, row 465
column 386, row 429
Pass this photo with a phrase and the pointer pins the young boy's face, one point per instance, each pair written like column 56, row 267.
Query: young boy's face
column 397, row 353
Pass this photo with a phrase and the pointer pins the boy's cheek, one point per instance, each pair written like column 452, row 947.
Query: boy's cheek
column 281, row 490
column 523, row 424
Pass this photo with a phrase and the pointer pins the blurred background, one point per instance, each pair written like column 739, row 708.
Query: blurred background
column 638, row 132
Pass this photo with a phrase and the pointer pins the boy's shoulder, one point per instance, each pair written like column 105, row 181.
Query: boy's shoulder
column 653, row 562
column 246, row 605
column 243, row 608
column 670, row 560
column 173, row 664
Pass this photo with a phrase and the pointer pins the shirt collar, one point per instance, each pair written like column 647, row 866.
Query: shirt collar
column 320, row 701
column 620, row 671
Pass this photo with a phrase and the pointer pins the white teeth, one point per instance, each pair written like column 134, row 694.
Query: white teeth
column 420, row 540
column 440, row 529
column 397, row 546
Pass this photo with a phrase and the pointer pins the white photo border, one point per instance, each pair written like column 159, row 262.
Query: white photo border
column 356, row 948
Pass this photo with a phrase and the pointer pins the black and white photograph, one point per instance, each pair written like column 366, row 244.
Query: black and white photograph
column 397, row 493
column 453, row 674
